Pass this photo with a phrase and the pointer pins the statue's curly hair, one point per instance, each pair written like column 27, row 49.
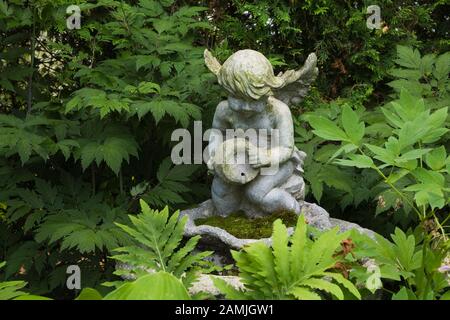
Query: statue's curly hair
column 245, row 74
column 248, row 74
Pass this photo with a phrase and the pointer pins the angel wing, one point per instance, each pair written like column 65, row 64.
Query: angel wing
column 297, row 82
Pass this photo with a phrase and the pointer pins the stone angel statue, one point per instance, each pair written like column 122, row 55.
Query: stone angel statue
column 258, row 100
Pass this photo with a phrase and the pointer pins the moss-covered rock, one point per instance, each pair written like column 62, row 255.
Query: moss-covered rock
column 243, row 227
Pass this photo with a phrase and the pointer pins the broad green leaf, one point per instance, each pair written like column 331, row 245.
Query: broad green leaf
column 89, row 294
column 31, row 297
column 436, row 158
column 352, row 126
column 357, row 160
column 382, row 154
column 408, row 57
column 156, row 286
column 149, row 87
column 411, row 155
column 442, row 67
column 326, row 129
column 404, row 294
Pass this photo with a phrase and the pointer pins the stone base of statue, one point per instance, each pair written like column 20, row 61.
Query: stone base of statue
column 294, row 185
column 221, row 241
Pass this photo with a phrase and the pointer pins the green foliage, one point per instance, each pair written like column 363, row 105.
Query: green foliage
column 86, row 118
column 173, row 182
column 82, row 114
column 89, row 294
column 294, row 267
column 158, row 246
column 157, row 286
column 348, row 52
column 11, row 290
column 415, row 129
column 111, row 144
column 423, row 76
column 410, row 263
column 392, row 158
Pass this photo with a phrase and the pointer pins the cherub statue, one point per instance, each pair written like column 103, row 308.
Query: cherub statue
column 258, row 100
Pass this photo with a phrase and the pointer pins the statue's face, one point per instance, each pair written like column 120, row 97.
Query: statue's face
column 247, row 107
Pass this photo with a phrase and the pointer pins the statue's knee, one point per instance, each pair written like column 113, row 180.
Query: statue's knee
column 255, row 195
column 219, row 189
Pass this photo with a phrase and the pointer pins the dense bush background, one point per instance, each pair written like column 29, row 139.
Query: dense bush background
column 86, row 115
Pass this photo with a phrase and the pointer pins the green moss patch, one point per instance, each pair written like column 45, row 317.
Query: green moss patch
column 243, row 227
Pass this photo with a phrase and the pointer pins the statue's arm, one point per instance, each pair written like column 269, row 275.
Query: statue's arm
column 219, row 125
column 283, row 148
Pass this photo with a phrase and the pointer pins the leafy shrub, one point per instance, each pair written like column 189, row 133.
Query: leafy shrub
column 295, row 267
column 11, row 290
column 409, row 266
column 352, row 186
column 158, row 246
column 83, row 112
column 348, row 52
column 404, row 168
column 86, row 117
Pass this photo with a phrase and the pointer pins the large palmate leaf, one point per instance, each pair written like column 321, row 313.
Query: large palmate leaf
column 112, row 144
column 173, row 182
column 86, row 229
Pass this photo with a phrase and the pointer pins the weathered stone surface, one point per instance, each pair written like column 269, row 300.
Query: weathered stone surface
column 314, row 214
column 257, row 167
column 205, row 284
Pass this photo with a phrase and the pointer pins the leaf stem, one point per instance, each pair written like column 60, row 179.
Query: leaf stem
column 402, row 195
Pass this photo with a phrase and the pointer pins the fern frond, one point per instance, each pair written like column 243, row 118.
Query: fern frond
column 298, row 252
column 320, row 284
column 301, row 293
column 339, row 278
column 294, row 267
column 229, row 291
column 321, row 253
column 280, row 249
column 158, row 235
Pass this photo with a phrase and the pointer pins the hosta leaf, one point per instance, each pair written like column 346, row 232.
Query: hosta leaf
column 156, row 286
